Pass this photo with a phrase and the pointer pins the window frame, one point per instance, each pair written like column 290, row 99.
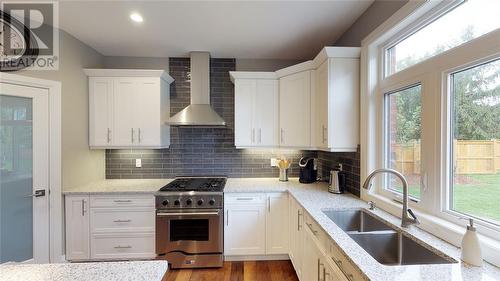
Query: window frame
column 386, row 191
column 433, row 74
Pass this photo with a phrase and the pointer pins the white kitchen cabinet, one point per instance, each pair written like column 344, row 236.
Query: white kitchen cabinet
column 128, row 108
column 256, row 224
column 256, row 111
column 245, row 229
column 277, row 237
column 295, row 110
column 77, row 227
column 312, row 261
column 296, row 234
column 110, row 227
column 335, row 103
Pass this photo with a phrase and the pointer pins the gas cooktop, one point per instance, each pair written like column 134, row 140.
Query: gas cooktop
column 204, row 184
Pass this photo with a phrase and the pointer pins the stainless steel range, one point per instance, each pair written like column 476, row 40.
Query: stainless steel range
column 189, row 222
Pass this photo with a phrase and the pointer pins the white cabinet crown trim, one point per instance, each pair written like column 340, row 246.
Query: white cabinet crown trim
column 97, row 72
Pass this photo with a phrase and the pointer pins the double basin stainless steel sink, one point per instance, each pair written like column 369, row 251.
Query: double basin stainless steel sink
column 384, row 243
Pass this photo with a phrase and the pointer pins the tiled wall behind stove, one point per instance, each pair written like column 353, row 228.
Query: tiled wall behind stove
column 200, row 151
column 350, row 165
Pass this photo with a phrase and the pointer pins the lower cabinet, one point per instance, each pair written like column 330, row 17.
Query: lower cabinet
column 114, row 227
column 256, row 224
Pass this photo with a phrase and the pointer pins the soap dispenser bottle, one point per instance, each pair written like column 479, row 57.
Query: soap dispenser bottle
column 471, row 249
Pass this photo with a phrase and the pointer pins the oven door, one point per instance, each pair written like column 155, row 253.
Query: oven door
column 189, row 231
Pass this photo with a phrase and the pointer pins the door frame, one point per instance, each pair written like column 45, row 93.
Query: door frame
column 55, row 172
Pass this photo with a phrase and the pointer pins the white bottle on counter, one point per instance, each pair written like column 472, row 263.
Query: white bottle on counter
column 471, row 249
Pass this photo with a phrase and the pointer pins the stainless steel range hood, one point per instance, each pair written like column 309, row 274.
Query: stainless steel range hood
column 199, row 112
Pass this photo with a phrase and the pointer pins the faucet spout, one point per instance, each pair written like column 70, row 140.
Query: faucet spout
column 407, row 217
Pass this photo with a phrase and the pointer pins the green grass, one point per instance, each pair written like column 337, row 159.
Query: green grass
column 479, row 197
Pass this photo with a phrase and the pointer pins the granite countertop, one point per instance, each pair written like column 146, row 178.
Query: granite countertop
column 128, row 186
column 94, row 271
column 315, row 198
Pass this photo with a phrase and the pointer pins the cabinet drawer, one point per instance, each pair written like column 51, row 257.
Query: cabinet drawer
column 122, row 246
column 245, row 198
column 335, row 256
column 319, row 234
column 103, row 201
column 122, row 220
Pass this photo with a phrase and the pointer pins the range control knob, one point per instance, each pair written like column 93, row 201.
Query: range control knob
column 189, row 201
column 211, row 202
column 177, row 202
column 200, row 202
column 165, row 202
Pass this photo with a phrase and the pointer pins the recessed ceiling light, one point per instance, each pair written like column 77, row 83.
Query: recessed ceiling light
column 136, row 17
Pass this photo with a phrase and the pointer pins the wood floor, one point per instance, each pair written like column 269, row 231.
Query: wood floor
column 237, row 271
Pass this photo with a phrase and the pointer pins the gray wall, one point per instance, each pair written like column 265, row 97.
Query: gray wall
column 136, row 63
column 200, row 151
column 79, row 164
column 375, row 15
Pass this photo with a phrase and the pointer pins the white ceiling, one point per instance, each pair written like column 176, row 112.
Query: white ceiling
column 237, row 29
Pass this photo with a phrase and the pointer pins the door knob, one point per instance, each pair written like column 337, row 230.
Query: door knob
column 38, row 193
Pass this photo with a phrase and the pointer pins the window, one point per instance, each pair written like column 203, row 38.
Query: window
column 402, row 137
column 465, row 22
column 475, row 122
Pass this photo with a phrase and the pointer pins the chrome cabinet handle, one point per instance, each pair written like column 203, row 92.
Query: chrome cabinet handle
column 298, row 220
column 139, row 136
column 349, row 276
column 244, row 199
column 166, row 214
column 227, row 217
column 123, row 247
column 253, row 135
column 83, row 207
column 38, row 193
column 122, row 221
column 132, row 134
column 324, row 134
column 122, row 201
column 282, row 135
column 319, row 270
column 315, row 232
column 268, row 204
column 109, row 135
column 260, row 135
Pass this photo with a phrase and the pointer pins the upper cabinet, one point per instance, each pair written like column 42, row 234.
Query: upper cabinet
column 335, row 101
column 317, row 104
column 128, row 108
column 256, row 110
column 295, row 110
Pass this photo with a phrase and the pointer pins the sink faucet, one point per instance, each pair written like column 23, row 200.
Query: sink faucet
column 408, row 217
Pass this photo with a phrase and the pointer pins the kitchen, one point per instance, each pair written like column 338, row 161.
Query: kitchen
column 194, row 159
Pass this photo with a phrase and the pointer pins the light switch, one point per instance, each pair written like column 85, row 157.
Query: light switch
column 138, row 163
column 274, row 162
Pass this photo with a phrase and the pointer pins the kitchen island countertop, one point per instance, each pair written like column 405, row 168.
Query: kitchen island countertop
column 92, row 271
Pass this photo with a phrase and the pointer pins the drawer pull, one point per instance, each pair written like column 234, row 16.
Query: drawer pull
column 244, row 199
column 349, row 276
column 123, row 247
column 122, row 221
column 315, row 232
column 122, row 201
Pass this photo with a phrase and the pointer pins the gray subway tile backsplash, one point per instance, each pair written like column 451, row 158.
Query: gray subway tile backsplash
column 211, row 151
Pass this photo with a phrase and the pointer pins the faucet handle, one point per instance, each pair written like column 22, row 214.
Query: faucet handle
column 371, row 205
column 413, row 216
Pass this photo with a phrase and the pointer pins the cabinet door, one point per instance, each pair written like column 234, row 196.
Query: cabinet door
column 77, row 227
column 244, row 94
column 124, row 99
column 311, row 261
column 265, row 113
column 295, row 111
column 147, row 112
column 245, row 230
column 296, row 231
column 320, row 124
column 277, row 223
column 100, row 111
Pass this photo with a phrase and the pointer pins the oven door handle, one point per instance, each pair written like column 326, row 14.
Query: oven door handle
column 188, row 214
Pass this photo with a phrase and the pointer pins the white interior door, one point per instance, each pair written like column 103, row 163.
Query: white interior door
column 24, row 174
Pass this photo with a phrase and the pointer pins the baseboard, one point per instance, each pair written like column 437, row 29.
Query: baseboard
column 257, row 258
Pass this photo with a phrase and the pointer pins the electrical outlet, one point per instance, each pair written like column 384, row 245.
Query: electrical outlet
column 138, row 163
column 274, row 162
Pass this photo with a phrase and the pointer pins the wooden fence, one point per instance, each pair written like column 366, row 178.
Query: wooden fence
column 472, row 157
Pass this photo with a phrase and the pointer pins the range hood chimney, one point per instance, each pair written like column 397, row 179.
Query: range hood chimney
column 199, row 112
